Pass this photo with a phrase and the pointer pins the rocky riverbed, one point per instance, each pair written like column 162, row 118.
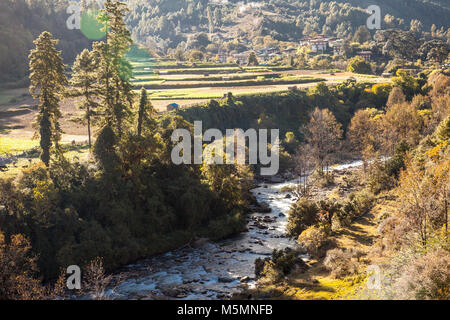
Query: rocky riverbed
column 215, row 270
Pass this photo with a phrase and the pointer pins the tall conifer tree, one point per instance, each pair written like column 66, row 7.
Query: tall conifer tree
column 84, row 85
column 115, row 71
column 145, row 111
column 47, row 83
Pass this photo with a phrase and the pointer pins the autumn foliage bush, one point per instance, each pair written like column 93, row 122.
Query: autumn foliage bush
column 426, row 277
column 18, row 270
column 340, row 263
column 315, row 241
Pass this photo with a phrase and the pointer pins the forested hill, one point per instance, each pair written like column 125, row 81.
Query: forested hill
column 429, row 12
column 21, row 21
column 166, row 23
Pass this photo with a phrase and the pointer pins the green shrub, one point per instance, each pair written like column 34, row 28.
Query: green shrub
column 315, row 241
column 355, row 206
column 282, row 263
column 377, row 178
column 302, row 215
column 340, row 263
column 359, row 65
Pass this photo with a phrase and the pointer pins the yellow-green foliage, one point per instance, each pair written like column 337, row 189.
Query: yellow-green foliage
column 331, row 289
column 315, row 241
column 12, row 145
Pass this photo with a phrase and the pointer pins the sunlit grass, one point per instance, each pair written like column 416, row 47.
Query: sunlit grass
column 330, row 289
column 77, row 152
column 13, row 145
column 200, row 94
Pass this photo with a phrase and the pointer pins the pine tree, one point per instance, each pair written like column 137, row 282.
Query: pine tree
column 145, row 111
column 252, row 59
column 218, row 17
column 115, row 71
column 47, row 83
column 210, row 20
column 84, row 85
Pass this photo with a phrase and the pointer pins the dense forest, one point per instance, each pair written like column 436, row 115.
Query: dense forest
column 165, row 26
column 176, row 24
column 21, row 21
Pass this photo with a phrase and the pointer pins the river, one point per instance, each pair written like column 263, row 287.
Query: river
column 215, row 270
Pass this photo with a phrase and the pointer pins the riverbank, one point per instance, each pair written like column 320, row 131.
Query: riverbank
column 207, row 269
column 319, row 282
column 222, row 269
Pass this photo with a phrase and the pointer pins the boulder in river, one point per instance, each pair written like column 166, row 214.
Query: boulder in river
column 265, row 208
column 174, row 292
column 260, row 226
column 268, row 219
column 200, row 242
column 225, row 279
column 276, row 179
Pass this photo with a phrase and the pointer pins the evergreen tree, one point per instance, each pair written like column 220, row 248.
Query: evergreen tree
column 362, row 35
column 115, row 71
column 210, row 20
column 252, row 59
column 84, row 84
column 47, row 83
column 105, row 150
column 145, row 111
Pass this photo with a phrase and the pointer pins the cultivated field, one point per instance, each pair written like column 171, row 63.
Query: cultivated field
column 167, row 82
column 191, row 83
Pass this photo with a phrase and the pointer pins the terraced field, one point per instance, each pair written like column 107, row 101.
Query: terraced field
column 190, row 83
column 167, row 82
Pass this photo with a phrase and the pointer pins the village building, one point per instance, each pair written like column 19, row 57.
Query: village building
column 338, row 47
column 290, row 52
column 320, row 43
column 172, row 107
column 367, row 55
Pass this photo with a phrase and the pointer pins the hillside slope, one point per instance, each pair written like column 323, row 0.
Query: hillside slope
column 167, row 24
